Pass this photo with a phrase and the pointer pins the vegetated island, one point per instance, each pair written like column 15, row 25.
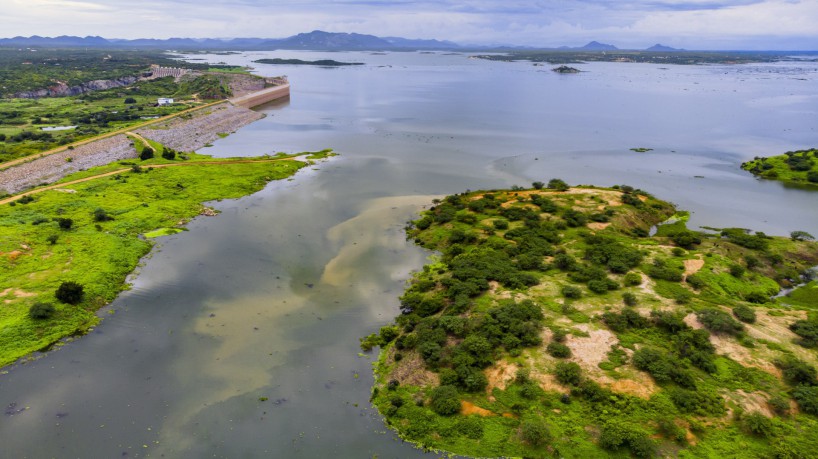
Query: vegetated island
column 67, row 248
column 320, row 62
column 565, row 69
column 796, row 167
column 551, row 324
column 641, row 149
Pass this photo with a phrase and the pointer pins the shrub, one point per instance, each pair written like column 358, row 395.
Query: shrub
column 52, row 239
column 686, row 238
column 807, row 398
column 719, row 321
column 570, row 291
column 629, row 299
column 471, row 427
column 69, row 292
column 615, row 435
column 558, row 185
column 737, row 271
column 632, row 279
column 146, row 153
column 534, row 432
column 744, row 314
column 500, row 224
column 558, row 350
column 695, row 281
column 797, row 372
column 807, row 331
column 101, row 216
column 130, row 100
column 39, row 311
column 757, row 424
column 568, row 373
column 65, row 223
column 168, row 153
column 445, row 400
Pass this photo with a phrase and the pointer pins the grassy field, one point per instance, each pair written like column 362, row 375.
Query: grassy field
column 794, row 167
column 103, row 242
column 552, row 325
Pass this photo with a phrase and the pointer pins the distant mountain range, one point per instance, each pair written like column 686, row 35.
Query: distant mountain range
column 315, row 40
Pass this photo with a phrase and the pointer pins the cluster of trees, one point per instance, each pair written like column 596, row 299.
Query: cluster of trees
column 23, row 136
column 68, row 292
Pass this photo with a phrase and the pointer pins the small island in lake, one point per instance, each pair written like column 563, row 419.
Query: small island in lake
column 565, row 69
column 319, row 63
column 797, row 167
column 554, row 322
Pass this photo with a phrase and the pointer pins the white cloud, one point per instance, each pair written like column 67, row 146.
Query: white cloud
column 695, row 24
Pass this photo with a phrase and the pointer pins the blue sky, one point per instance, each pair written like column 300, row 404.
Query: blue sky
column 690, row 24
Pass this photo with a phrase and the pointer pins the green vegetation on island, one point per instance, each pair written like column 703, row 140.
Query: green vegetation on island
column 66, row 252
column 795, row 167
column 678, row 57
column 320, row 62
column 552, row 324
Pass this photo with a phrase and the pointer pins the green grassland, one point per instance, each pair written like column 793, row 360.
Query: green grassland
column 104, row 243
column 795, row 167
column 550, row 324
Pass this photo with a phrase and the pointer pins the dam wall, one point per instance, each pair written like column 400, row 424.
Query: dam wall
column 262, row 97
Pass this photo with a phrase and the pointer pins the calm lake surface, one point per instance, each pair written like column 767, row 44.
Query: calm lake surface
column 239, row 338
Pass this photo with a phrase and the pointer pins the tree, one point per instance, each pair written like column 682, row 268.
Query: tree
column 558, row 185
column 101, row 216
column 130, row 100
column 538, row 185
column 70, row 292
column 744, row 314
column 534, row 432
column 65, row 223
column 568, row 373
column 719, row 321
column 801, row 236
column 39, row 311
column 146, row 153
column 445, row 400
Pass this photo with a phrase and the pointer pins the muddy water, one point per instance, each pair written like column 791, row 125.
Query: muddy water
column 239, row 338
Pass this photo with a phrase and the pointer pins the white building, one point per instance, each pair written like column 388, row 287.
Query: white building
column 164, row 101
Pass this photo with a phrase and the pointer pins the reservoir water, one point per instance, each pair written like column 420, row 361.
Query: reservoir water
column 239, row 338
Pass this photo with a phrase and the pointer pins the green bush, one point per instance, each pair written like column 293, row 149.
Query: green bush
column 568, row 373
column 470, row 427
column 558, row 185
column 757, row 424
column 797, row 372
column 745, row 314
column 807, row 330
column 65, row 223
column 69, row 292
column 719, row 321
column 570, row 291
column 534, row 432
column 632, row 279
column 807, row 398
column 146, row 153
column 40, row 311
column 445, row 400
column 558, row 350
column 629, row 299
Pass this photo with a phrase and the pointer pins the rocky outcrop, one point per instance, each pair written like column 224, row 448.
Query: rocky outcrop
column 61, row 89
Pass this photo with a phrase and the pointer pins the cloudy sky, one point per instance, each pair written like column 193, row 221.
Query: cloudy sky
column 690, row 24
